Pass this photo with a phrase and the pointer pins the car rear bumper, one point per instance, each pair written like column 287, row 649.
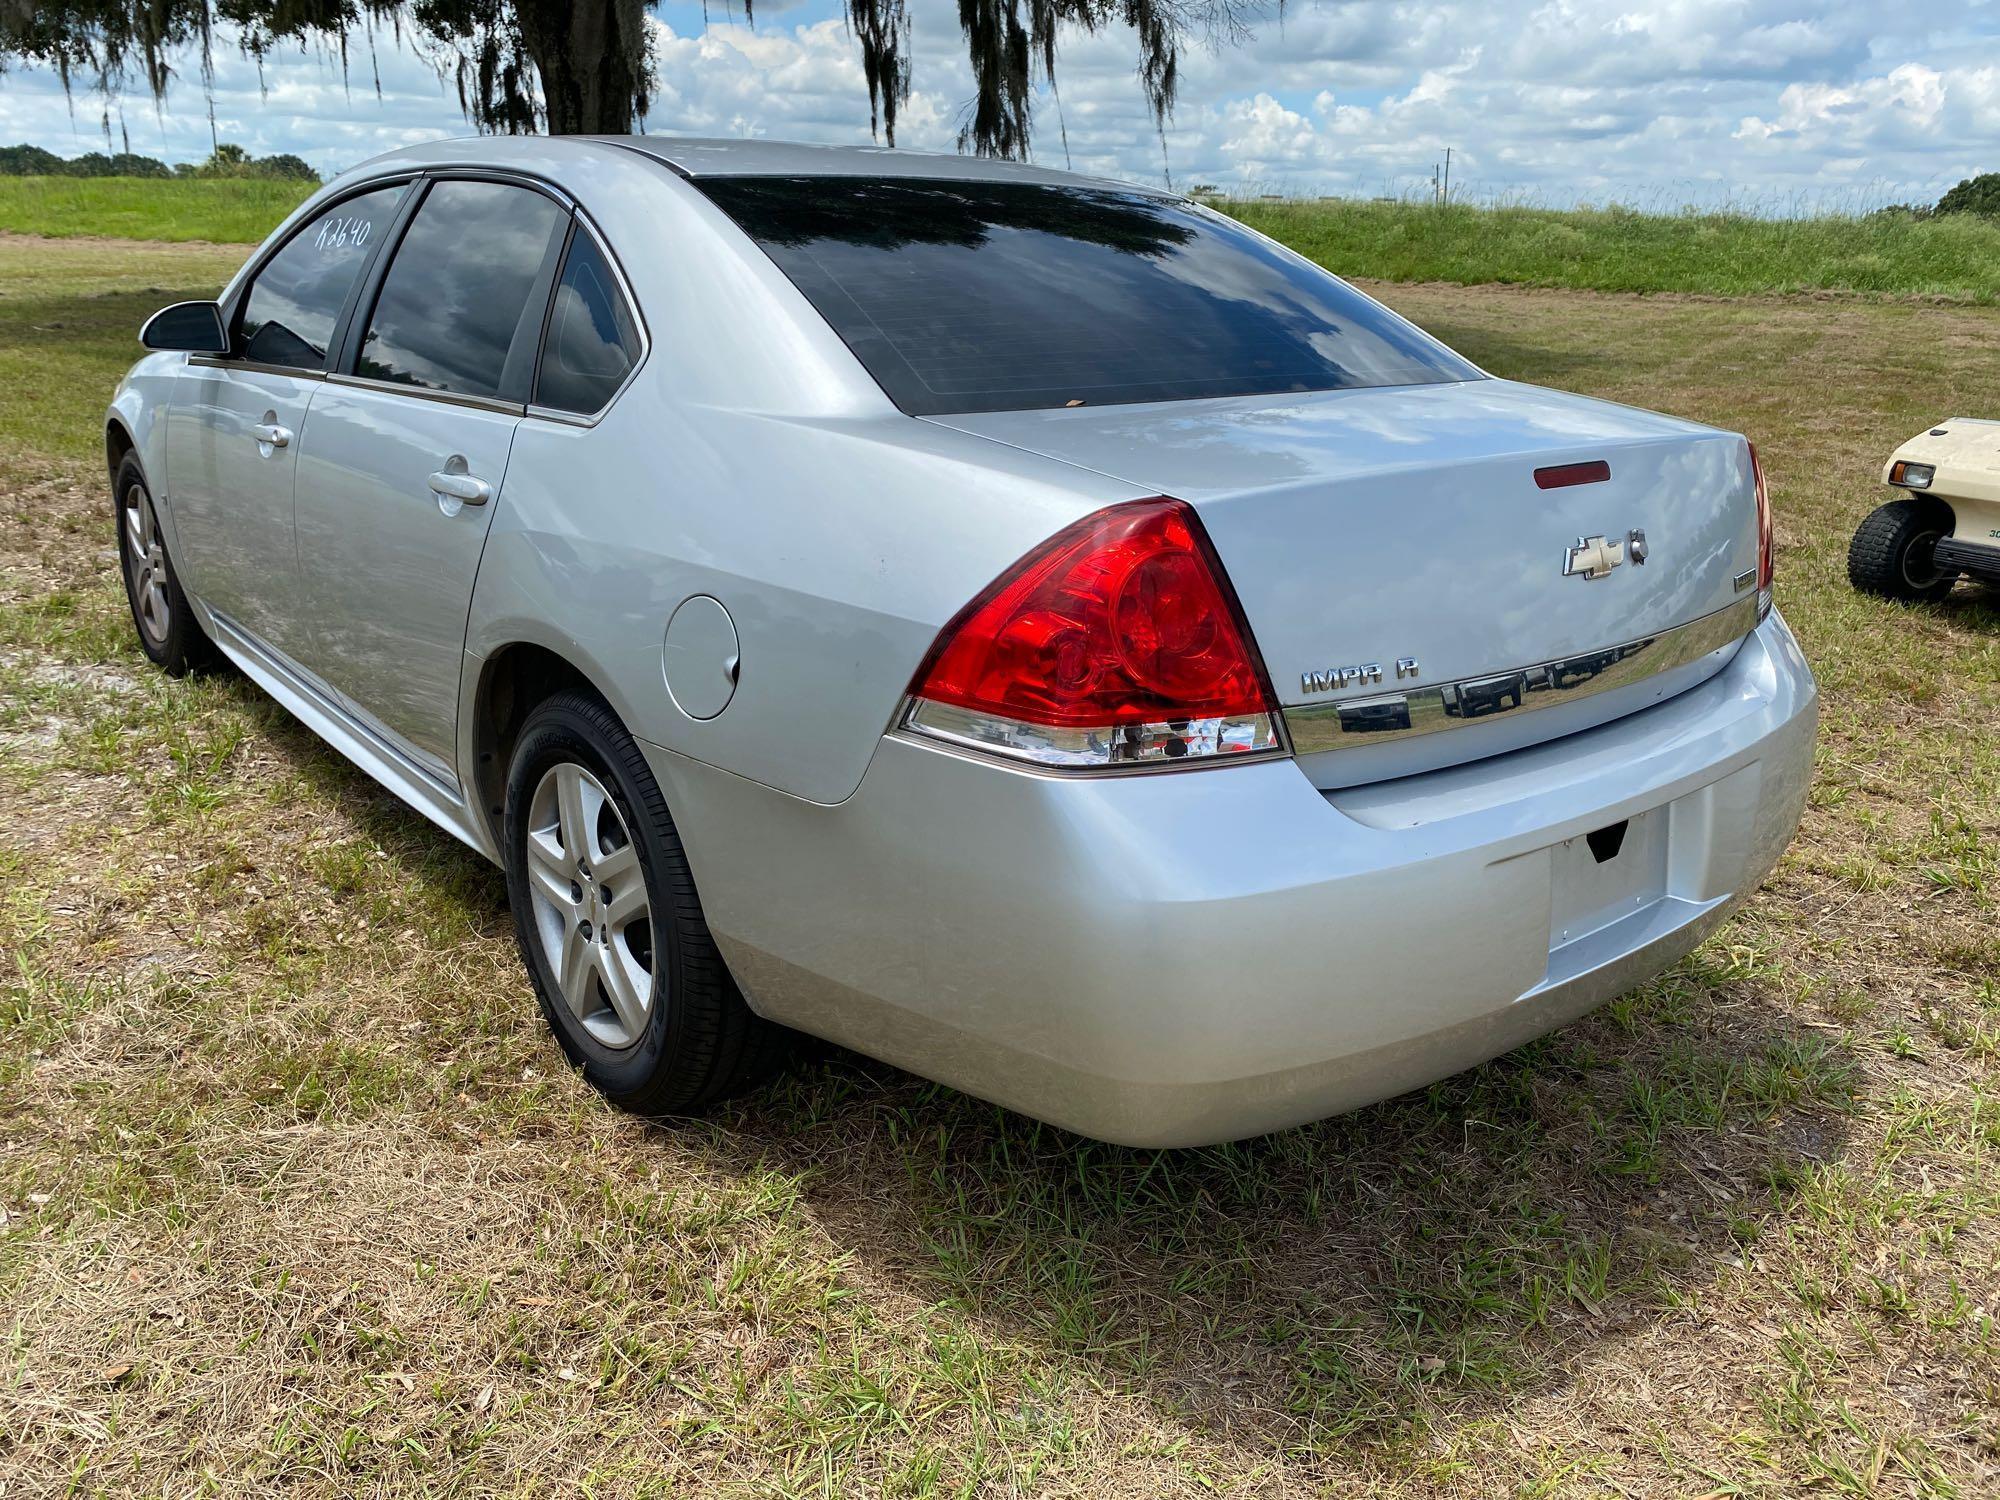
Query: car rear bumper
column 1196, row 956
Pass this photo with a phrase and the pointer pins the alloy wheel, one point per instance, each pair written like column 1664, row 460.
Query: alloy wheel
column 591, row 910
column 146, row 565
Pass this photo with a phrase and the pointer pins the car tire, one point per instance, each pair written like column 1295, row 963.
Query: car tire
column 169, row 633
column 641, row 1003
column 1891, row 555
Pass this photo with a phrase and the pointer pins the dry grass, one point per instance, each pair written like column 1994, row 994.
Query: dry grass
column 298, row 1196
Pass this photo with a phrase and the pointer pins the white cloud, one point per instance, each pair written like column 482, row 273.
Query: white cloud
column 1664, row 102
column 1260, row 131
column 1909, row 100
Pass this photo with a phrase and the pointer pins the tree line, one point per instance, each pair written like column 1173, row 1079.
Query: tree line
column 1976, row 195
column 227, row 160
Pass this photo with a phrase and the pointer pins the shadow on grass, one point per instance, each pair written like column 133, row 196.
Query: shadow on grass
column 449, row 869
column 1356, row 1278
column 1428, row 1259
column 1973, row 604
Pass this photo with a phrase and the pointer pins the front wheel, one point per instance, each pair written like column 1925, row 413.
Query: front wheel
column 1894, row 552
column 169, row 634
column 609, row 925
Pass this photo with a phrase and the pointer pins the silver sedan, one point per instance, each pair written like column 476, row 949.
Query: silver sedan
column 1024, row 627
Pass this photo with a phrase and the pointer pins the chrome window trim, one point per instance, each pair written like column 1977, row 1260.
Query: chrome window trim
column 506, row 176
column 1350, row 723
column 252, row 367
column 421, row 393
column 585, row 224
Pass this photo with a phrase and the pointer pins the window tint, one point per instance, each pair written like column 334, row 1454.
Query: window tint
column 458, row 288
column 997, row 296
column 593, row 340
column 296, row 299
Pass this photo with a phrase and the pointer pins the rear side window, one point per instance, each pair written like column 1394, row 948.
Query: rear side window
column 457, row 292
column 593, row 339
column 999, row 296
column 296, row 299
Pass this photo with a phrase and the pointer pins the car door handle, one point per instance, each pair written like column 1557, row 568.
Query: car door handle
column 467, row 489
column 271, row 435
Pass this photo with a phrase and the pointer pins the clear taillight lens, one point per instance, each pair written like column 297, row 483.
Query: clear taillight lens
column 1766, row 558
column 1117, row 642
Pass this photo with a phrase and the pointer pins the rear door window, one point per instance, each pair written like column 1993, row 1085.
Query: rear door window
column 997, row 296
column 455, row 300
column 293, row 305
column 593, row 338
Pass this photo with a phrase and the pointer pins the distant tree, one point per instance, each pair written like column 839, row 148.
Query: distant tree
column 231, row 160
column 33, row 161
column 130, row 164
column 286, row 166
column 526, row 65
column 29, row 161
column 226, row 160
column 1976, row 195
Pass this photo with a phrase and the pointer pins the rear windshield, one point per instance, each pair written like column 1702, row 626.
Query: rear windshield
column 978, row 296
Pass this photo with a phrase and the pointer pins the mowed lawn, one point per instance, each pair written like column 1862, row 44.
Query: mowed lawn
column 298, row 1196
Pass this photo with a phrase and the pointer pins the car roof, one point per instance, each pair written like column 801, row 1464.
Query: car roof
column 694, row 156
column 698, row 157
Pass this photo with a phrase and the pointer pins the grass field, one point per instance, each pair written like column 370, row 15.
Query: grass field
column 1614, row 250
column 137, row 208
column 297, row 1195
column 1955, row 259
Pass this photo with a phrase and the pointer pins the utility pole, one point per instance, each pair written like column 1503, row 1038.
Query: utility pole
column 1446, row 200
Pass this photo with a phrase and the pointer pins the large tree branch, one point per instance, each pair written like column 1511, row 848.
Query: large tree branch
column 524, row 65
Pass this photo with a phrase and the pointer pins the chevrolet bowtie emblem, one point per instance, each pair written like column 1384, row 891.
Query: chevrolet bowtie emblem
column 1594, row 557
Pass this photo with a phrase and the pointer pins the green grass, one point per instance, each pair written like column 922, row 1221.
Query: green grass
column 69, row 327
column 1616, row 250
column 1611, row 249
column 297, row 1194
column 225, row 210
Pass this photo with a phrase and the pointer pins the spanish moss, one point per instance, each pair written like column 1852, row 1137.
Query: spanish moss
column 519, row 66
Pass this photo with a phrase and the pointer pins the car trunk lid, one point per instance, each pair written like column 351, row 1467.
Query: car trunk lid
column 1365, row 530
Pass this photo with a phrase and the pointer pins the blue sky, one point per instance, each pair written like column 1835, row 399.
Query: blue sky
column 1769, row 103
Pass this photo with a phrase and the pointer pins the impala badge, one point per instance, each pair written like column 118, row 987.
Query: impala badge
column 1593, row 557
column 1368, row 674
column 1341, row 677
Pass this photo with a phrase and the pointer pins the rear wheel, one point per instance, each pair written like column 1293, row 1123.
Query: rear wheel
column 169, row 634
column 609, row 924
column 1894, row 551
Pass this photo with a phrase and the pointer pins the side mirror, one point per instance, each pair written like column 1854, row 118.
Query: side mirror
column 187, row 328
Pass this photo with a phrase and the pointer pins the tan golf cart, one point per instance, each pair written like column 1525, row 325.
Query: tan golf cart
column 1947, row 523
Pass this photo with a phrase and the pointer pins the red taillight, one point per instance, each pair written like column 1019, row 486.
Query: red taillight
column 1117, row 640
column 1766, row 556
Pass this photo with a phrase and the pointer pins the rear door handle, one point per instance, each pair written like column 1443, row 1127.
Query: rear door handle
column 467, row 489
column 271, row 435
